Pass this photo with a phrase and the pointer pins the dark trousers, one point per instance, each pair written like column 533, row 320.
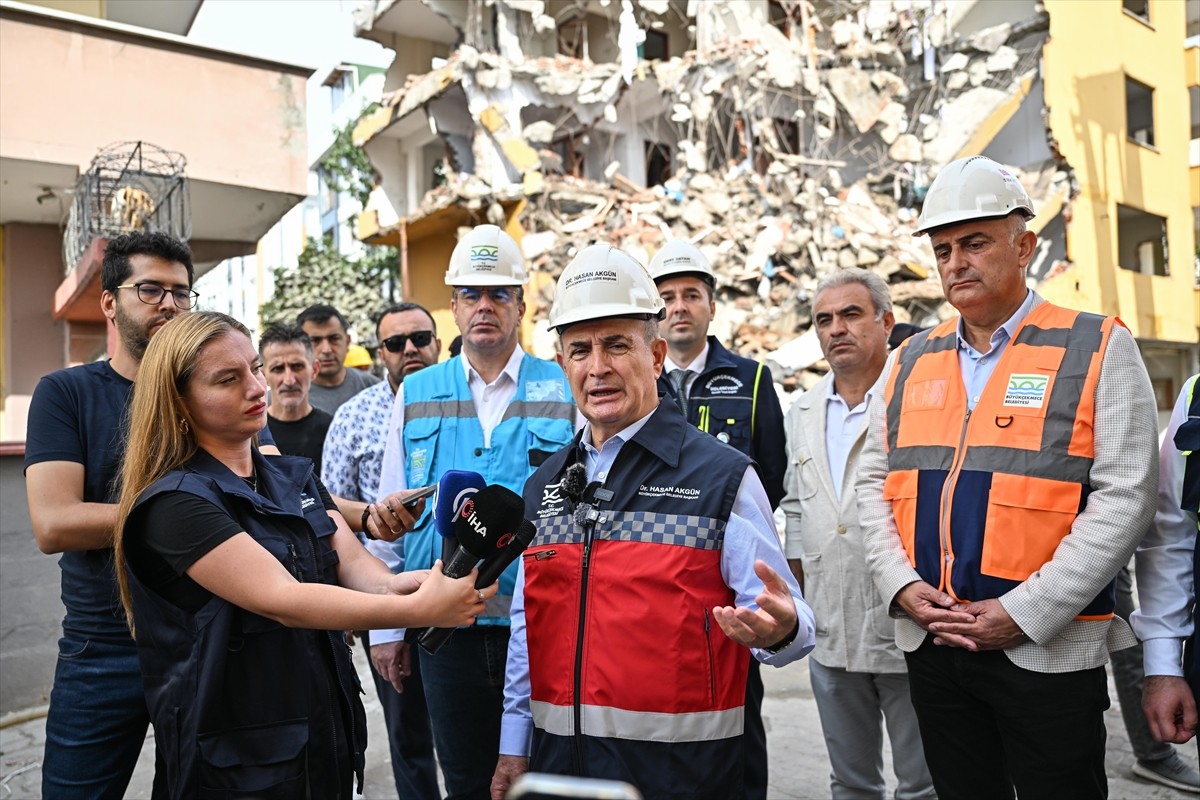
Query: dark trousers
column 754, row 737
column 464, row 686
column 410, row 738
column 989, row 726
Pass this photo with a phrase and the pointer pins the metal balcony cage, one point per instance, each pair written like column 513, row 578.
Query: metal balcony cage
column 128, row 186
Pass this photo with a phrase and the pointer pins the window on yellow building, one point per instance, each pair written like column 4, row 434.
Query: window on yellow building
column 1137, row 8
column 1141, row 241
column 1139, row 112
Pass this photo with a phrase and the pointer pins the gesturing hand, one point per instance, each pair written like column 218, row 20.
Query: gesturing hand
column 774, row 619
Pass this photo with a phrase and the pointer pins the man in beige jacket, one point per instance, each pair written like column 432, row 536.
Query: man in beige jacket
column 858, row 674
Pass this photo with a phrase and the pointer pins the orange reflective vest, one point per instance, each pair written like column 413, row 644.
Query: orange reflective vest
column 983, row 497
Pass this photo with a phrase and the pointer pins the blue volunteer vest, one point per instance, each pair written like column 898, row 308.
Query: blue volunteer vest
column 241, row 704
column 442, row 432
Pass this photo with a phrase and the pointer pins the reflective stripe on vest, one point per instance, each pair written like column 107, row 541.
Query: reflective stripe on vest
column 642, row 726
column 442, row 432
column 982, row 498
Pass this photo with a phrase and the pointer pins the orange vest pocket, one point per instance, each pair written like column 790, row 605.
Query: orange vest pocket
column 1026, row 519
column 900, row 489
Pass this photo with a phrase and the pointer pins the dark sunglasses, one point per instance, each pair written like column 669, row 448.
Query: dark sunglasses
column 396, row 344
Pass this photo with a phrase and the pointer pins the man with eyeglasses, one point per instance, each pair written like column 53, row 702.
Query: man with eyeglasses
column 353, row 454
column 497, row 411
column 96, row 724
column 333, row 384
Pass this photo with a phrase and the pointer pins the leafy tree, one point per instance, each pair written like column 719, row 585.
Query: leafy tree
column 359, row 289
column 346, row 165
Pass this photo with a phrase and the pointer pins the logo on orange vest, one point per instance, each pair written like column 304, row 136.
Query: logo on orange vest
column 1026, row 391
column 925, row 394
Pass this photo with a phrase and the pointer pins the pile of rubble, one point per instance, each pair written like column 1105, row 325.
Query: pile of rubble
column 792, row 155
column 770, row 239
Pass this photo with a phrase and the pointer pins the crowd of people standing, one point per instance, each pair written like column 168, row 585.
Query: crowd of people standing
column 960, row 506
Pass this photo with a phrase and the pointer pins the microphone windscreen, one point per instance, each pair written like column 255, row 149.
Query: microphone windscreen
column 453, row 490
column 573, row 481
column 486, row 516
column 509, row 552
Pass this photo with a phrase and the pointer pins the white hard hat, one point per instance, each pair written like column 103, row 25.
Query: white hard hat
column 972, row 188
column 487, row 256
column 678, row 257
column 601, row 281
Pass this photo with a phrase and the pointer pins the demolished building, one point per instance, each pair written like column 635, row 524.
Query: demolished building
column 786, row 139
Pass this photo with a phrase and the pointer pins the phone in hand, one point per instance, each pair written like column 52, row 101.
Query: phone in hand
column 410, row 502
column 539, row 786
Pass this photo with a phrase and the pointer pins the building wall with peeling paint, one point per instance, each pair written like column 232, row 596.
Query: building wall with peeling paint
column 1092, row 48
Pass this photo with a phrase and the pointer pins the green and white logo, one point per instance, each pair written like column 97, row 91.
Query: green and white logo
column 485, row 256
column 1026, row 391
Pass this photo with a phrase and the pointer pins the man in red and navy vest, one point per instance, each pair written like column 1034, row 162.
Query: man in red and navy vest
column 656, row 563
column 1006, row 478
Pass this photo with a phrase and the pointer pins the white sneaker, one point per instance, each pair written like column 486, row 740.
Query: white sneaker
column 1172, row 771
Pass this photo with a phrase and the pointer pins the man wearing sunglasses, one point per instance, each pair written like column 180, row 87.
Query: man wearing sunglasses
column 353, row 454
column 497, row 411
column 97, row 721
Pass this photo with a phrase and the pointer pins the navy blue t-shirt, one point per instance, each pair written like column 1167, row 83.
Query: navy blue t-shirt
column 77, row 414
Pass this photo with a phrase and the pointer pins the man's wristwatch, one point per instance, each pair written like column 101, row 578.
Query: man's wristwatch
column 365, row 518
column 785, row 641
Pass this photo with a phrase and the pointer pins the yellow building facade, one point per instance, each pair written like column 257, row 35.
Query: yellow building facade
column 1116, row 81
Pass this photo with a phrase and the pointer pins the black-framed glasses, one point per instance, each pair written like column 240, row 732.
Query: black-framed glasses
column 152, row 294
column 397, row 343
column 502, row 295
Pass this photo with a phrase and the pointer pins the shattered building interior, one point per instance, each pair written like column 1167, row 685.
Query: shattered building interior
column 785, row 138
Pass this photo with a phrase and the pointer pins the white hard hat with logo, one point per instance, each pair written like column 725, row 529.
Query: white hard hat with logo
column 601, row 282
column 972, row 188
column 678, row 257
column 487, row 256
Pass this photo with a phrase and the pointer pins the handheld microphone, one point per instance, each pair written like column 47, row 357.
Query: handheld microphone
column 484, row 527
column 454, row 488
column 506, row 553
column 484, row 519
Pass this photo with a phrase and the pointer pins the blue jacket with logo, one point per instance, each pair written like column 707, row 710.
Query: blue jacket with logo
column 734, row 399
column 442, row 432
column 243, row 705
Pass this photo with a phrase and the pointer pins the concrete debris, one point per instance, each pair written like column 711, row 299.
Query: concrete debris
column 1003, row 60
column 785, row 155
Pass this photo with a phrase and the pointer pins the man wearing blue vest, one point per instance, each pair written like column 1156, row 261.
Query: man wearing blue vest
column 655, row 573
column 497, row 411
column 1166, row 569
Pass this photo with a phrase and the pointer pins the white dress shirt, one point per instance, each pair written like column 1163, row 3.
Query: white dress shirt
column 842, row 426
column 1164, row 562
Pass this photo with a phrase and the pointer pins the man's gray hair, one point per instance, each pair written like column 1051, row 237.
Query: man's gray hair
column 881, row 297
